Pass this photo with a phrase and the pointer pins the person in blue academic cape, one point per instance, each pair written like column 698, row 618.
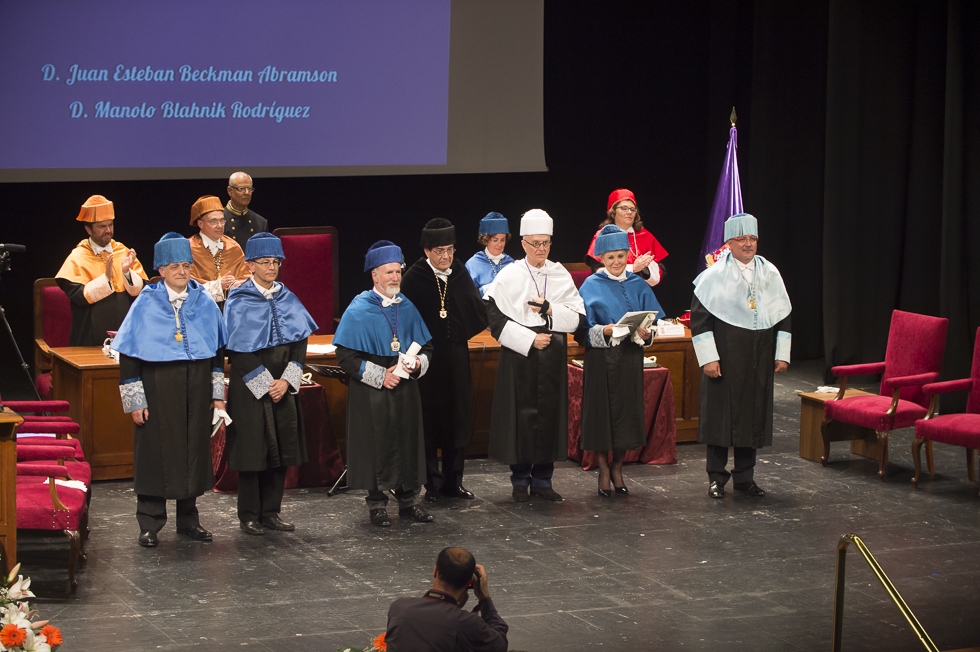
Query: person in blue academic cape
column 385, row 440
column 171, row 377
column 612, row 388
column 267, row 332
column 740, row 322
column 484, row 265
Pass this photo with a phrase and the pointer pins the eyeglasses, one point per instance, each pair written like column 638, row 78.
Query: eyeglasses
column 275, row 262
column 220, row 222
column 626, row 209
column 243, row 188
column 746, row 238
column 442, row 251
column 538, row 245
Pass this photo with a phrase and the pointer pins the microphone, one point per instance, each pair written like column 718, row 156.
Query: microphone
column 12, row 248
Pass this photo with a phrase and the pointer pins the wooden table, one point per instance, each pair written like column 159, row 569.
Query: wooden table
column 89, row 381
column 8, row 489
column 864, row 441
column 675, row 353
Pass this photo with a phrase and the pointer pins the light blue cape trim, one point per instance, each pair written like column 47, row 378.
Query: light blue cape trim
column 723, row 291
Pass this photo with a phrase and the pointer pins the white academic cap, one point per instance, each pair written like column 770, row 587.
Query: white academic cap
column 537, row 222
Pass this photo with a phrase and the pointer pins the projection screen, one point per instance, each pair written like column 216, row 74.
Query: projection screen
column 123, row 89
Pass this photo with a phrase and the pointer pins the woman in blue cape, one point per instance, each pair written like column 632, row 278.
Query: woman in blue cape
column 612, row 389
column 485, row 265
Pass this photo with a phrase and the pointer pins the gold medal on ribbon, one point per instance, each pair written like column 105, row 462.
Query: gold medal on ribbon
column 442, row 314
column 395, row 344
column 179, row 337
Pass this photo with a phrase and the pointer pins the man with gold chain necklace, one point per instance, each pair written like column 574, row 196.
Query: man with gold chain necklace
column 374, row 340
column 740, row 322
column 171, row 377
column 442, row 289
column 219, row 262
column 101, row 276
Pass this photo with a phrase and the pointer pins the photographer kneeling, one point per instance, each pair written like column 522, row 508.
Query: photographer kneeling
column 436, row 621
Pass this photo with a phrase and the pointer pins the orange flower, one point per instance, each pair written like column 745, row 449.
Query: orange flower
column 379, row 642
column 52, row 635
column 12, row 635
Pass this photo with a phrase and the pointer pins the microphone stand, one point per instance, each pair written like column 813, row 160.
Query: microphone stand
column 5, row 267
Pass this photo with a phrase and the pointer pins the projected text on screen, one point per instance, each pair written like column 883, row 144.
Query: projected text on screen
column 118, row 84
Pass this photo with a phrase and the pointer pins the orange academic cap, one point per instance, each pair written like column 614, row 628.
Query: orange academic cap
column 205, row 204
column 96, row 209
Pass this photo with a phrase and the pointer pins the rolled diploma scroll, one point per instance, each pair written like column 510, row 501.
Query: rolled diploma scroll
column 402, row 357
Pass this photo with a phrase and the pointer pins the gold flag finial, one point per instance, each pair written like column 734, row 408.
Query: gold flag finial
column 733, row 117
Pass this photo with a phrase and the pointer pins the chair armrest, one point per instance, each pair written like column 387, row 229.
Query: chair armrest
column 42, row 470
column 37, row 406
column 35, row 452
column 41, row 344
column 859, row 369
column 911, row 381
column 948, row 386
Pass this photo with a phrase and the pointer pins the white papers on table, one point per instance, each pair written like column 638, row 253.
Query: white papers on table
column 320, row 348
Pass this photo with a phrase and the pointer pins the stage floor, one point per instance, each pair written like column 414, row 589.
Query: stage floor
column 666, row 568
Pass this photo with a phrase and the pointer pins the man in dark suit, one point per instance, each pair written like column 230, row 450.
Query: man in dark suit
column 437, row 622
column 241, row 223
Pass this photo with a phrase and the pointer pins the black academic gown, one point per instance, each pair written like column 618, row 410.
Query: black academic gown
column 445, row 389
column 264, row 434
column 242, row 227
column 529, row 418
column 736, row 409
column 385, row 444
column 172, row 449
column 90, row 321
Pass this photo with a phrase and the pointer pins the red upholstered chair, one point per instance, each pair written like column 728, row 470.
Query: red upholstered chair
column 579, row 272
column 955, row 429
column 913, row 358
column 312, row 271
column 61, row 427
column 52, row 324
column 46, row 506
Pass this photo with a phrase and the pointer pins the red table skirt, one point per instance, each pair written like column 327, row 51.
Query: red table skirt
column 325, row 464
column 658, row 418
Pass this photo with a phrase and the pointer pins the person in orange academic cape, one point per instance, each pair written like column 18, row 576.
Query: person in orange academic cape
column 219, row 262
column 100, row 276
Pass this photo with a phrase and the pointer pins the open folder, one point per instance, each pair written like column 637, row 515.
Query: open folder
column 629, row 322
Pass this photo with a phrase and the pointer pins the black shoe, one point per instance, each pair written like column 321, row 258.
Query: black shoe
column 417, row 514
column 622, row 491
column 547, row 493
column 148, row 539
column 251, row 527
column 197, row 533
column 379, row 517
column 750, row 489
column 716, row 490
column 520, row 493
column 276, row 523
column 604, row 493
column 431, row 496
column 459, row 491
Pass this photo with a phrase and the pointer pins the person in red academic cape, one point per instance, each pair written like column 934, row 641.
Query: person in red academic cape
column 645, row 252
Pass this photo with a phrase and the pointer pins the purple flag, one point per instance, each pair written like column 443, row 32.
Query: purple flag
column 728, row 200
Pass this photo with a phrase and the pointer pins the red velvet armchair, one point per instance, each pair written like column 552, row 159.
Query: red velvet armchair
column 311, row 271
column 52, row 324
column 913, row 358
column 955, row 429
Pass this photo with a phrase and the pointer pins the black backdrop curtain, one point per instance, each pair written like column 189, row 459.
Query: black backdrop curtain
column 859, row 147
column 901, row 185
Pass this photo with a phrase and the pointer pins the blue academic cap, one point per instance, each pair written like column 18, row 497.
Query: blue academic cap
column 264, row 245
column 611, row 238
column 381, row 253
column 172, row 248
column 742, row 224
column 493, row 224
